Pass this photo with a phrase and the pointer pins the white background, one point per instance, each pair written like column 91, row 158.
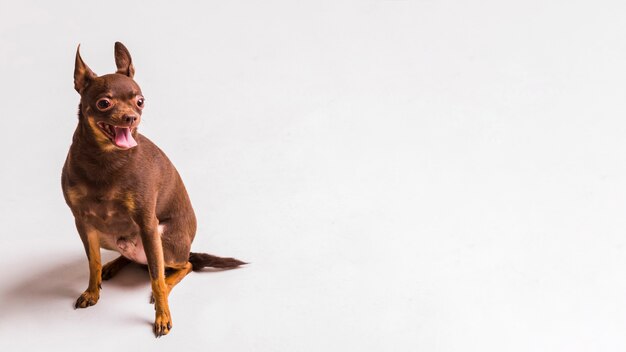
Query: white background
column 402, row 175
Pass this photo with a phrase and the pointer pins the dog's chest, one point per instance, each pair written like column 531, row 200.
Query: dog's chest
column 101, row 207
column 108, row 212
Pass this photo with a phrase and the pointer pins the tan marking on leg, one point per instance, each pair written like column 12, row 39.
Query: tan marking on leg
column 92, row 293
column 153, row 248
column 163, row 318
column 171, row 280
column 175, row 277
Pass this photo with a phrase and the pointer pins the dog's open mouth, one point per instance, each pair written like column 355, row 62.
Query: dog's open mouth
column 120, row 136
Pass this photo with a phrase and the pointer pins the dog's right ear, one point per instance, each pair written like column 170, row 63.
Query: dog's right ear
column 83, row 75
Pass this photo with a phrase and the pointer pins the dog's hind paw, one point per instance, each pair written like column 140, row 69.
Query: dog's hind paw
column 113, row 267
column 108, row 272
column 87, row 299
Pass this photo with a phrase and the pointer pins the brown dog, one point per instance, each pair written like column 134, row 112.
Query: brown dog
column 124, row 192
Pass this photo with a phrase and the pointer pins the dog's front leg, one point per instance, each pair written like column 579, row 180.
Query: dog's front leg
column 154, row 253
column 91, row 241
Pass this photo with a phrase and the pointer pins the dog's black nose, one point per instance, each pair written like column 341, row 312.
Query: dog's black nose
column 130, row 118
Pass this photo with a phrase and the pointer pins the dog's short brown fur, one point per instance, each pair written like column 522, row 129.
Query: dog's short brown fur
column 124, row 192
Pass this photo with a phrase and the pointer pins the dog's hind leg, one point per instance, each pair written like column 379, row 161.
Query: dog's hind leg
column 113, row 267
column 175, row 276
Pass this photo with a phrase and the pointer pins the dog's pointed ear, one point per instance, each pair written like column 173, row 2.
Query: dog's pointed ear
column 83, row 75
column 123, row 61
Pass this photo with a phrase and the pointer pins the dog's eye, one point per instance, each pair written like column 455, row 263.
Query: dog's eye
column 103, row 104
column 140, row 102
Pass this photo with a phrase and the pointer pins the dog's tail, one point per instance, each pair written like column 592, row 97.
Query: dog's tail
column 202, row 260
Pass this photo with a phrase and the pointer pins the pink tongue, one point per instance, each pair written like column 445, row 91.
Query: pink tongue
column 123, row 138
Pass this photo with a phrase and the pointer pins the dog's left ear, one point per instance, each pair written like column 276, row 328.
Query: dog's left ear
column 123, row 61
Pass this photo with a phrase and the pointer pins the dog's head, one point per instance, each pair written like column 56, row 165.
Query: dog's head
column 110, row 105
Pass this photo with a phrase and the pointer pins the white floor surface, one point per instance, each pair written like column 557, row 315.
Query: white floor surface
column 402, row 175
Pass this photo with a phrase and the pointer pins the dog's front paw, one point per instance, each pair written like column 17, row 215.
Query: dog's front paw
column 88, row 298
column 162, row 324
